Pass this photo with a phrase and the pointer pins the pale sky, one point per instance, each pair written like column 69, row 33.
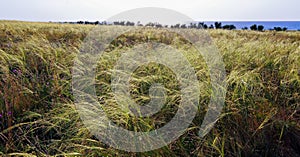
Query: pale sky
column 199, row 10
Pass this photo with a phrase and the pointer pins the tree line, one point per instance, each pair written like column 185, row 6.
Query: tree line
column 199, row 25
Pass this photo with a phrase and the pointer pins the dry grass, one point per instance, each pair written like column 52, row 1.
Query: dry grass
column 38, row 117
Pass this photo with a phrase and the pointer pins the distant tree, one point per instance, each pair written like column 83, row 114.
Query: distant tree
column 122, row 23
column 80, row 22
column 218, row 25
column 277, row 28
column 211, row 26
column 183, row 26
column 97, row 23
column 116, row 23
column 280, row 29
column 202, row 25
column 177, row 26
column 192, row 25
column 150, row 24
column 260, row 27
column 284, row 29
column 253, row 27
column 245, row 28
column 128, row 23
column 158, row 25
column 229, row 27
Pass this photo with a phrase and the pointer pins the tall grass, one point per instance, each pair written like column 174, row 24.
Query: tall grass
column 38, row 116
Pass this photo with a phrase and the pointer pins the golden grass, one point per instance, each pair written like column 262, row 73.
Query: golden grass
column 38, row 118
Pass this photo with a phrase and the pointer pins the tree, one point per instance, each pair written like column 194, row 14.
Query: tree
column 150, row 24
column 280, row 29
column 192, row 25
column 229, row 27
column 116, row 23
column 277, row 28
column 80, row 22
column 128, row 23
column 218, row 25
column 253, row 27
column 284, row 29
column 177, row 26
column 245, row 28
column 158, row 25
column 183, row 26
column 122, row 23
column 202, row 25
column 260, row 27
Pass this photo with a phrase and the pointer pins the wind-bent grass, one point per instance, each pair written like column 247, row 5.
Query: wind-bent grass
column 38, row 117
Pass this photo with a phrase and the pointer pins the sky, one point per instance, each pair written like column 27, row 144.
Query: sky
column 198, row 10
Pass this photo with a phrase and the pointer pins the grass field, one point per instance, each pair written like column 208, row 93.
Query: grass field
column 261, row 116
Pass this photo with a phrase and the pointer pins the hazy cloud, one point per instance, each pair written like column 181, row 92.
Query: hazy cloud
column 70, row 10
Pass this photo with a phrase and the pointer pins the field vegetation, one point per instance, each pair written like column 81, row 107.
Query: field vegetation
column 261, row 116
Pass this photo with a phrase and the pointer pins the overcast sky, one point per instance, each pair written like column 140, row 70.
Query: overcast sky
column 201, row 10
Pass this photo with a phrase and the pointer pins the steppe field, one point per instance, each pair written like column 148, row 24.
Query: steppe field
column 38, row 116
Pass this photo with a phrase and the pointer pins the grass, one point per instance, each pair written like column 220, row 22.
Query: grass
column 38, row 117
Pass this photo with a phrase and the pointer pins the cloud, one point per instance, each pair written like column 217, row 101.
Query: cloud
column 57, row 10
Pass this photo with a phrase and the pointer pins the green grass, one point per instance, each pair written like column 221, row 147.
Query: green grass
column 38, row 117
